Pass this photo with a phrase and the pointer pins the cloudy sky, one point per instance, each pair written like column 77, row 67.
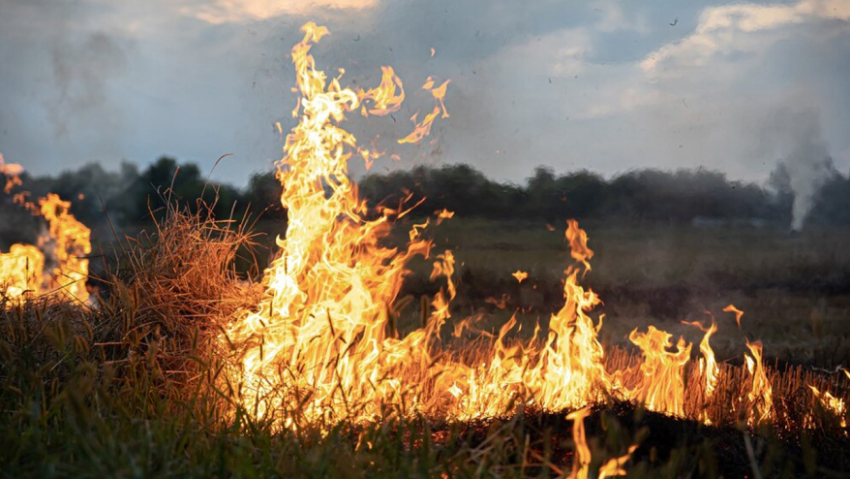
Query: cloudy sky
column 607, row 85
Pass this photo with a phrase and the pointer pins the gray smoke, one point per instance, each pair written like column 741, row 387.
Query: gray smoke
column 808, row 167
column 81, row 69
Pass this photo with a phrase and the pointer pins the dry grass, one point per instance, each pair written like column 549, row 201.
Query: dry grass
column 129, row 388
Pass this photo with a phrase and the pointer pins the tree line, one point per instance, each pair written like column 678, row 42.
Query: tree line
column 131, row 196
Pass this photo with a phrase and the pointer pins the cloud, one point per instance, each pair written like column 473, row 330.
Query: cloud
column 614, row 19
column 237, row 11
column 720, row 31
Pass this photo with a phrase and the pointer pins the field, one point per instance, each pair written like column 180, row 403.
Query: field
column 128, row 389
column 794, row 289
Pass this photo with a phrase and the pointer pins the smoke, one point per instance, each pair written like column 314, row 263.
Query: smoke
column 81, row 69
column 808, row 167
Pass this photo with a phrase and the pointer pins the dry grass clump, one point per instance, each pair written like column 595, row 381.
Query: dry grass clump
column 180, row 286
column 154, row 328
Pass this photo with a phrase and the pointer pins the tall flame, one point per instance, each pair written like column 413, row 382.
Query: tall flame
column 323, row 329
column 324, row 345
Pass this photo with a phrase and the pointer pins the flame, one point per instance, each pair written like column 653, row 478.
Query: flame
column 520, row 275
column 423, row 128
column 581, row 463
column 67, row 243
column 577, row 238
column 831, row 403
column 324, row 328
column 738, row 313
column 708, row 368
column 444, row 214
column 662, row 384
column 385, row 99
column 12, row 172
column 323, row 346
column 760, row 396
column 20, row 270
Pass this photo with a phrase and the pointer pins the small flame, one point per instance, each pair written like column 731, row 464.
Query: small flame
column 581, row 462
column 577, row 238
column 385, row 98
column 423, row 128
column 444, row 214
column 662, row 383
column 520, row 275
column 738, row 313
column 708, row 364
column 760, row 396
column 12, row 172
column 831, row 403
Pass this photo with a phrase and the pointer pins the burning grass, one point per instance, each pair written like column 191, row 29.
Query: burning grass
column 133, row 387
column 307, row 373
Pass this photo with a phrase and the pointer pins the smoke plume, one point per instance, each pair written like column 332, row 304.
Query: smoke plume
column 808, row 167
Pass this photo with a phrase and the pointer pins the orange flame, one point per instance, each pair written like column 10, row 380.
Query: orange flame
column 831, row 403
column 323, row 345
column 581, row 463
column 444, row 214
column 520, row 275
column 423, row 128
column 12, row 172
column 662, row 383
column 760, row 396
column 738, row 313
column 66, row 242
column 323, row 328
column 385, row 99
column 577, row 238
column 20, row 270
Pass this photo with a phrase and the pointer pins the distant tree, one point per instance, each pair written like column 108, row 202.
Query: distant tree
column 263, row 195
column 166, row 180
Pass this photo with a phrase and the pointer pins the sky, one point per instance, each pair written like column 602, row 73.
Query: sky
column 603, row 85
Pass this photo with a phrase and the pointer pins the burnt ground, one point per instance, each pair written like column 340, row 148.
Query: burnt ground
column 665, row 444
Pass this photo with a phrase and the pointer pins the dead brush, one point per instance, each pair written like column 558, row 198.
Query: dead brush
column 177, row 289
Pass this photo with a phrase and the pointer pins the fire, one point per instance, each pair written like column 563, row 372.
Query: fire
column 831, row 403
column 423, row 128
column 324, row 345
column 581, row 463
column 662, row 384
column 738, row 313
column 708, row 367
column 322, row 336
column 71, row 245
column 520, row 275
column 760, row 396
column 12, row 172
column 66, row 244
column 443, row 215
column 20, row 270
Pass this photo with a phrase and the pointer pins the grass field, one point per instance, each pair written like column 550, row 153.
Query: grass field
column 794, row 289
column 128, row 389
